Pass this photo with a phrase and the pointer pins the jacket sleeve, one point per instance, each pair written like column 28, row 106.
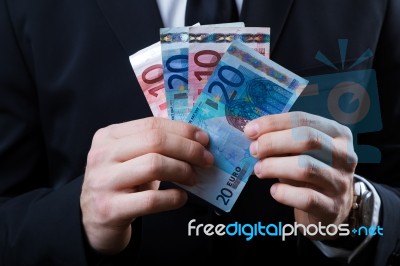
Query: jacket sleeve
column 39, row 222
column 388, row 245
column 384, row 177
column 387, row 181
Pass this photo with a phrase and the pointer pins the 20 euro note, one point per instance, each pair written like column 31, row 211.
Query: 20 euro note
column 208, row 44
column 245, row 85
column 148, row 68
column 195, row 37
column 174, row 50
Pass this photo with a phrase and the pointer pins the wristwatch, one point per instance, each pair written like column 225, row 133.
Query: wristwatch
column 361, row 211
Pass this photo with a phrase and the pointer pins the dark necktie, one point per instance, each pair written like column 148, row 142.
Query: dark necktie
column 211, row 12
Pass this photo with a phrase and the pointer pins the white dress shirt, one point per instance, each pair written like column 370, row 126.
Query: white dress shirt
column 173, row 12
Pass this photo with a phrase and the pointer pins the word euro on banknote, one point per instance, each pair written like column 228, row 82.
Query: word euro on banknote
column 245, row 85
column 148, row 68
column 208, row 44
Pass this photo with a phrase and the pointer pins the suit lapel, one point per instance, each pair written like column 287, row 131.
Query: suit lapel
column 266, row 13
column 135, row 23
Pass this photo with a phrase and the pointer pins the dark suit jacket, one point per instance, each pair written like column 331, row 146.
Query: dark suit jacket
column 64, row 73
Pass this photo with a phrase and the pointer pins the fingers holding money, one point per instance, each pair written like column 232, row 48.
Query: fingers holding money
column 279, row 122
column 125, row 164
column 314, row 160
column 150, row 167
column 120, row 131
column 164, row 143
column 298, row 133
column 302, row 170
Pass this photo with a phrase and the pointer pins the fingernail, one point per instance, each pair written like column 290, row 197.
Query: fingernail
column 201, row 136
column 251, row 129
column 208, row 157
column 254, row 148
column 257, row 168
column 273, row 189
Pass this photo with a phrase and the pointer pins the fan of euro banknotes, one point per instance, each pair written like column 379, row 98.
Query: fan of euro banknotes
column 217, row 77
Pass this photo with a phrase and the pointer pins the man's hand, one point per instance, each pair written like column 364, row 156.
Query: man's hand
column 124, row 167
column 314, row 160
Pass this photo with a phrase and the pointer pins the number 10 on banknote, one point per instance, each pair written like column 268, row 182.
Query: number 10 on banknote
column 245, row 85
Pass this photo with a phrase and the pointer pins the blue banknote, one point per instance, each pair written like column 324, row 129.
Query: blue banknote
column 175, row 58
column 175, row 50
column 245, row 85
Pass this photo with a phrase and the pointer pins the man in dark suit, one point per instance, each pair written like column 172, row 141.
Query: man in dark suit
column 75, row 190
